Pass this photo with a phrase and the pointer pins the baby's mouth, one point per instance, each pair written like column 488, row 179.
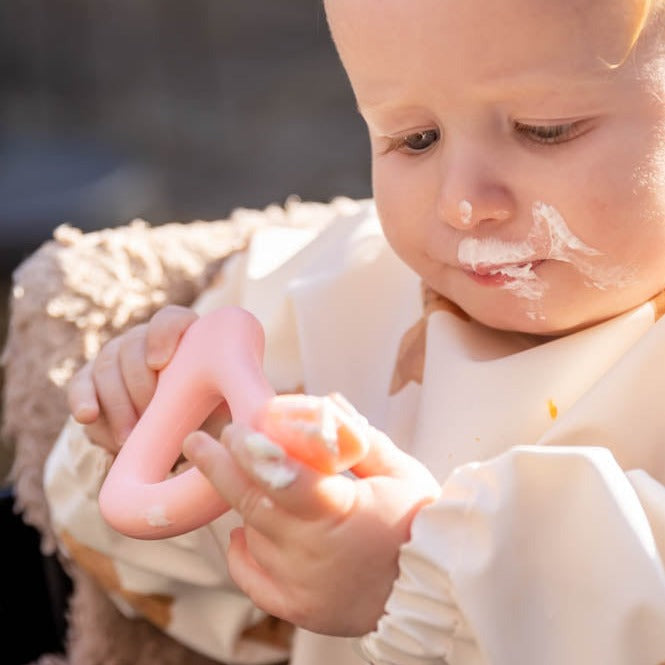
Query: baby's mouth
column 520, row 279
column 505, row 272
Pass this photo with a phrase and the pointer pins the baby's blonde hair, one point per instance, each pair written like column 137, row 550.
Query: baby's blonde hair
column 645, row 10
column 642, row 17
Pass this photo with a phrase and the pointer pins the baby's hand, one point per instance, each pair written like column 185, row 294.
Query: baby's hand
column 110, row 392
column 317, row 550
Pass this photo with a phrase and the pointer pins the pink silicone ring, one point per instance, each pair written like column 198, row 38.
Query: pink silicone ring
column 219, row 357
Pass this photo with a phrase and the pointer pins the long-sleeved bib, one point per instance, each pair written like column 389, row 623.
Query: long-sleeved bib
column 546, row 544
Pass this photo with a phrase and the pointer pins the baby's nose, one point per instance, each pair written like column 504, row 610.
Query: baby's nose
column 468, row 217
column 469, row 196
column 468, row 212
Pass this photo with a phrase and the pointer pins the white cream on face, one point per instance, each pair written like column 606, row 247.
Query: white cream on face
column 465, row 212
column 549, row 238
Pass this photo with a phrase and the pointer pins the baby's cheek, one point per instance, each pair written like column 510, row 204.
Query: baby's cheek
column 647, row 184
column 609, row 216
column 400, row 234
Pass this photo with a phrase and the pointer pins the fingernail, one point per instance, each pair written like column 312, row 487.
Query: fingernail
column 265, row 459
column 259, row 446
column 156, row 361
column 192, row 446
column 86, row 412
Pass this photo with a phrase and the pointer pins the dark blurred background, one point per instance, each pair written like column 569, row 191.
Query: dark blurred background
column 165, row 110
column 112, row 109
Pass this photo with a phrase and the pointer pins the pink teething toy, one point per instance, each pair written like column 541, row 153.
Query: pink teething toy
column 219, row 358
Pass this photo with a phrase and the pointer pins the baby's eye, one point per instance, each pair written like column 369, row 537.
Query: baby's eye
column 413, row 143
column 550, row 134
column 421, row 140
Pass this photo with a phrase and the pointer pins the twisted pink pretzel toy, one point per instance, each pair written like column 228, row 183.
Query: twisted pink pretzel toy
column 219, row 358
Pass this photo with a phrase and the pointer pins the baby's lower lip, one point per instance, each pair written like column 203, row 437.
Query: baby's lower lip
column 489, row 279
column 491, row 276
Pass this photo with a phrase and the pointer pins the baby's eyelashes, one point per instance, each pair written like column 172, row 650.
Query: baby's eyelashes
column 552, row 134
column 413, row 142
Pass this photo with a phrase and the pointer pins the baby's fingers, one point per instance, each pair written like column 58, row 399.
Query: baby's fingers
column 295, row 487
column 82, row 396
column 254, row 580
column 165, row 329
column 100, row 434
column 112, row 393
column 260, row 482
column 238, row 489
column 140, row 381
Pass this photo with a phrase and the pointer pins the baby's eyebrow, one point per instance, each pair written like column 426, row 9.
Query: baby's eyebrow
column 546, row 83
column 585, row 91
column 513, row 84
column 387, row 105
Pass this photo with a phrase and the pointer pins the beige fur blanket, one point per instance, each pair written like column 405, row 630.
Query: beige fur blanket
column 68, row 298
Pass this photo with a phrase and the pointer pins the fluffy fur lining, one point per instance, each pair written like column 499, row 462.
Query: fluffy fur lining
column 73, row 294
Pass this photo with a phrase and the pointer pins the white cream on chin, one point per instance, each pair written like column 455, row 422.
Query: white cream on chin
column 549, row 238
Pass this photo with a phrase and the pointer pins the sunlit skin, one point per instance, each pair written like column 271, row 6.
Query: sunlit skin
column 500, row 104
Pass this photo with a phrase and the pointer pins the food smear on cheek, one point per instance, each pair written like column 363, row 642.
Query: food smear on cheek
column 568, row 248
column 549, row 238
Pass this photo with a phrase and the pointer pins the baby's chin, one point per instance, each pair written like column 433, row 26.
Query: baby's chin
column 569, row 308
column 526, row 317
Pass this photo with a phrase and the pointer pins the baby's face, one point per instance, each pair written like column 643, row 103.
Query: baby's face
column 515, row 168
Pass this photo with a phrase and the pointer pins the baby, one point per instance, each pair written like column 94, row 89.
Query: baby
column 494, row 312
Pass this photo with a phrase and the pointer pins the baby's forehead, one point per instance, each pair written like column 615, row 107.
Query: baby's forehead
column 484, row 38
column 605, row 21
